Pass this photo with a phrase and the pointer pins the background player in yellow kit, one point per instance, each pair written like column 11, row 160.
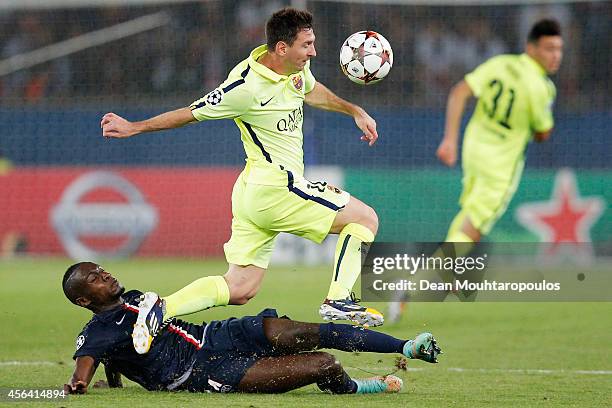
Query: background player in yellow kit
column 515, row 98
column 264, row 94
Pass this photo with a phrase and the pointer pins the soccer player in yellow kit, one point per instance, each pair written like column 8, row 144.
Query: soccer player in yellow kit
column 264, row 95
column 515, row 98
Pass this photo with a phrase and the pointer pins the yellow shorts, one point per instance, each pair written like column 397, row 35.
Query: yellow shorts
column 261, row 212
column 485, row 197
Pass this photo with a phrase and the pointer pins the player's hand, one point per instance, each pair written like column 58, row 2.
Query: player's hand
column 77, row 387
column 101, row 384
column 115, row 126
column 367, row 126
column 542, row 136
column 447, row 153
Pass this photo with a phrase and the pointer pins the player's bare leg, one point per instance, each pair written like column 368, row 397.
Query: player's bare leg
column 301, row 366
column 460, row 241
column 357, row 224
column 286, row 373
column 243, row 282
column 356, row 211
column 461, row 232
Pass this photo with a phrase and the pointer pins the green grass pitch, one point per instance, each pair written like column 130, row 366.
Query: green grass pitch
column 496, row 354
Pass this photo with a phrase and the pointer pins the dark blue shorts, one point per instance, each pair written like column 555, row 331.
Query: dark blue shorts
column 230, row 348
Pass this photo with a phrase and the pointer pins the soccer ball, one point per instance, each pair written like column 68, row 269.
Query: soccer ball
column 366, row 57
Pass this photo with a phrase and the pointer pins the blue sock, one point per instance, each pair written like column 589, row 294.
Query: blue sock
column 350, row 338
column 346, row 385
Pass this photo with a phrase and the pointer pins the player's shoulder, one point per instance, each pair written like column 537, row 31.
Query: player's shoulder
column 495, row 65
column 94, row 338
column 92, row 330
column 240, row 80
column 90, row 326
column 240, row 70
column 502, row 60
column 541, row 85
column 549, row 88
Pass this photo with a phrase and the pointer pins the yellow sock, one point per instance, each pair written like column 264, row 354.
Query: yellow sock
column 200, row 294
column 347, row 260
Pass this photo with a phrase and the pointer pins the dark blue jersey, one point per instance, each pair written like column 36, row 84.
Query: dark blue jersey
column 108, row 339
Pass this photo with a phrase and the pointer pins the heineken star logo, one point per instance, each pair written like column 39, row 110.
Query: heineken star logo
column 566, row 218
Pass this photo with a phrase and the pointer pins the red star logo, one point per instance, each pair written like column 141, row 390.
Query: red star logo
column 566, row 217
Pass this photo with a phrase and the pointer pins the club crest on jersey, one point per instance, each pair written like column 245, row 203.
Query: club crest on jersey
column 298, row 82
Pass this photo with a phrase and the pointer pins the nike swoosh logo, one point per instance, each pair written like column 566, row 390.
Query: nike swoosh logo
column 120, row 321
column 266, row 102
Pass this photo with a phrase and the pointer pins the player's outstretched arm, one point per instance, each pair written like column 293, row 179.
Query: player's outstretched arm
column 117, row 127
column 455, row 105
column 321, row 97
column 83, row 373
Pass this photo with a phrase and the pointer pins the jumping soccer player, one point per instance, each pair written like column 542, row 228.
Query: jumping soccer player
column 515, row 98
column 265, row 94
column 260, row 353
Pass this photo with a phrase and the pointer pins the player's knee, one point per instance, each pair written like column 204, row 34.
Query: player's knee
column 243, row 285
column 241, row 292
column 372, row 219
column 327, row 364
column 369, row 219
column 241, row 296
column 238, row 300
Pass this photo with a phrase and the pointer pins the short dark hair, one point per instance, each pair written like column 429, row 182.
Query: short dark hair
column 69, row 287
column 542, row 28
column 285, row 24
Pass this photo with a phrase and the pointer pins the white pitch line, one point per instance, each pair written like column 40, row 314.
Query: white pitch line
column 410, row 369
column 529, row 371
column 27, row 363
column 495, row 370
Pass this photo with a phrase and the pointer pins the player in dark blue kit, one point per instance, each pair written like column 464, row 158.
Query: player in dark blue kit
column 246, row 355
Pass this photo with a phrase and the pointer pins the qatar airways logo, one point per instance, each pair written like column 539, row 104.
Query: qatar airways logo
column 293, row 121
column 130, row 220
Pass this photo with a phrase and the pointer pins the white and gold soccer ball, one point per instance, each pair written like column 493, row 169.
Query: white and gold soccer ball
column 366, row 57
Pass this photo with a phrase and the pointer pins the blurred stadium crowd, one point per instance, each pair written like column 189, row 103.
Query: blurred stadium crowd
column 433, row 48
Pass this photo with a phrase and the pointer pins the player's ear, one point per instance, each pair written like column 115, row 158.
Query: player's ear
column 531, row 47
column 82, row 301
column 281, row 48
